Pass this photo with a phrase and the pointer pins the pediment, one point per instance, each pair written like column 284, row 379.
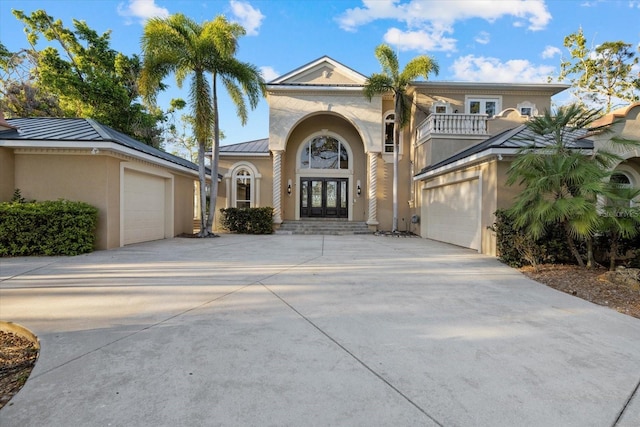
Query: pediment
column 324, row 71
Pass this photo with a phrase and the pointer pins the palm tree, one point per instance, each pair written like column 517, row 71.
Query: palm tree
column 561, row 182
column 180, row 46
column 392, row 80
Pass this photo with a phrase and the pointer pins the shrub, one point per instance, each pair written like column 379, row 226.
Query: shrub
column 47, row 228
column 517, row 248
column 248, row 220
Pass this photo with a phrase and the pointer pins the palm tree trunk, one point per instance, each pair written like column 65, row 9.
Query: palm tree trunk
column 396, row 149
column 215, row 148
column 572, row 246
column 613, row 253
column 203, row 190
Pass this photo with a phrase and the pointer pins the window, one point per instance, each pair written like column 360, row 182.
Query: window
column 488, row 106
column 623, row 182
column 527, row 109
column 440, row 107
column 388, row 133
column 324, row 152
column 243, row 185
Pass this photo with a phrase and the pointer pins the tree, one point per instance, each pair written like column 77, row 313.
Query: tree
column 86, row 76
column 600, row 75
column 392, row 80
column 562, row 182
column 21, row 96
column 620, row 218
column 179, row 45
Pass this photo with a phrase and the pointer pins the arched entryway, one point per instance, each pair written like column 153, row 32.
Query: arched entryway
column 324, row 170
column 324, row 176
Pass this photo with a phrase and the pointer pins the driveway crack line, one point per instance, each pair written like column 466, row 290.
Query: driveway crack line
column 354, row 357
column 626, row 405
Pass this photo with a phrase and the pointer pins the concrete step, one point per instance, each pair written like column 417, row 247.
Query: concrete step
column 323, row 226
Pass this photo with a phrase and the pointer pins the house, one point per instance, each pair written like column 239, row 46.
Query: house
column 141, row 193
column 329, row 154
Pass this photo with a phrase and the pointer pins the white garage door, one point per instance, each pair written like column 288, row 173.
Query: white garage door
column 451, row 213
column 144, row 207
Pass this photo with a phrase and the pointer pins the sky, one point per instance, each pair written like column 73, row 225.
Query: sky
column 472, row 40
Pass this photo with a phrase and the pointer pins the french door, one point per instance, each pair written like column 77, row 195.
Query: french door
column 323, row 198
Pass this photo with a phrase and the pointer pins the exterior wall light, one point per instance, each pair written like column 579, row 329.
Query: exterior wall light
column 289, row 187
column 358, row 188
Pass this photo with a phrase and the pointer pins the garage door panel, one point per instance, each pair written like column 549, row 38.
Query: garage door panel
column 144, row 207
column 452, row 213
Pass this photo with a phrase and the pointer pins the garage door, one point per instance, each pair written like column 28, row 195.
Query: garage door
column 451, row 213
column 144, row 207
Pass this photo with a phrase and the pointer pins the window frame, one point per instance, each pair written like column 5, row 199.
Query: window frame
column 483, row 99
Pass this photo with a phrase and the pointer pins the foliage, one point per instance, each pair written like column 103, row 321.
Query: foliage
column 81, row 77
column 391, row 79
column 601, row 75
column 248, row 220
column 180, row 46
column 47, row 228
column 620, row 220
column 517, row 248
column 21, row 96
column 561, row 183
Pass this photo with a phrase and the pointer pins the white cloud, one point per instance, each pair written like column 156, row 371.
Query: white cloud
column 433, row 21
column 487, row 69
column 634, row 4
column 249, row 17
column 483, row 37
column 421, row 40
column 550, row 52
column 142, row 9
column 268, row 73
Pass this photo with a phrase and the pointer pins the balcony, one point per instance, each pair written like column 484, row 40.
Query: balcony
column 452, row 124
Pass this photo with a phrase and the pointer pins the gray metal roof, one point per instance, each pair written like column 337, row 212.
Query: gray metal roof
column 516, row 138
column 65, row 129
column 259, row 146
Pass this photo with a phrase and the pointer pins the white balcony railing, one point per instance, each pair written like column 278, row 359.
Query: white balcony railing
column 452, row 124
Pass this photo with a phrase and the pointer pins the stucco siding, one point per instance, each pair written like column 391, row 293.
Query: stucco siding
column 7, row 171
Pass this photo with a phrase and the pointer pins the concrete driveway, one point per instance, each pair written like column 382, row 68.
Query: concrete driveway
column 315, row 331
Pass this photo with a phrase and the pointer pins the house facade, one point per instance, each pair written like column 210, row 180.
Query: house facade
column 329, row 154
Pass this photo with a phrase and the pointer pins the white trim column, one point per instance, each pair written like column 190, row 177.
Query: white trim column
column 277, row 186
column 373, row 189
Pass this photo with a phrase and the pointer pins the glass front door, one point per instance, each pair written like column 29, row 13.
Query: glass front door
column 323, row 198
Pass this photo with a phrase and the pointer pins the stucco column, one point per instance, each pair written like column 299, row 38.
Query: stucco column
column 373, row 189
column 277, row 186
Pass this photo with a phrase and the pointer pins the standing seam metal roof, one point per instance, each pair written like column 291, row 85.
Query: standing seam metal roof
column 65, row 129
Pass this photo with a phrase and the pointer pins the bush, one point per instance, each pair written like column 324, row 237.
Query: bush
column 47, row 228
column 248, row 220
column 517, row 248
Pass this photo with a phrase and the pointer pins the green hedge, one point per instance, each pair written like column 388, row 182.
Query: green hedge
column 248, row 220
column 47, row 228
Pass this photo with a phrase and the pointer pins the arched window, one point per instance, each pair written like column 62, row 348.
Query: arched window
column 621, row 181
column 324, row 152
column 243, row 188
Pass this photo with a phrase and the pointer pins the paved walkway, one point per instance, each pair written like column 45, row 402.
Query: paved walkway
column 314, row 331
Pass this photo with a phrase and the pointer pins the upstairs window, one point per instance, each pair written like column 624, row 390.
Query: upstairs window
column 488, row 106
column 527, row 109
column 388, row 133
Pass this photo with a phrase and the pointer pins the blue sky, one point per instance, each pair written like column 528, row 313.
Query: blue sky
column 472, row 40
